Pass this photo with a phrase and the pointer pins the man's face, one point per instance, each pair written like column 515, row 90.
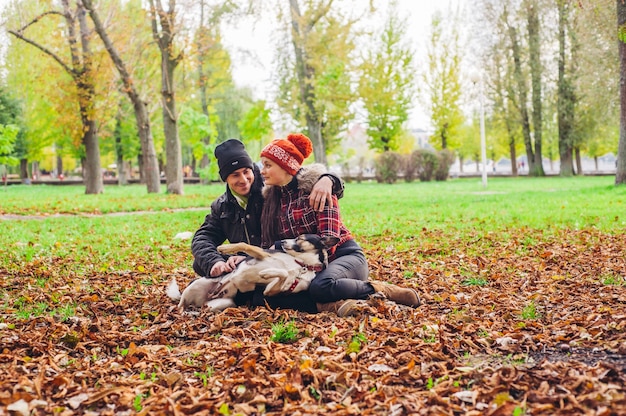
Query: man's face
column 240, row 181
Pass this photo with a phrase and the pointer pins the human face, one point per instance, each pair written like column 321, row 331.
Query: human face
column 240, row 181
column 273, row 173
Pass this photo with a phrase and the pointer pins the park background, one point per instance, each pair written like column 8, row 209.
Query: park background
column 379, row 77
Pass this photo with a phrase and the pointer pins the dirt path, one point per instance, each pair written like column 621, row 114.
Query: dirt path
column 11, row 217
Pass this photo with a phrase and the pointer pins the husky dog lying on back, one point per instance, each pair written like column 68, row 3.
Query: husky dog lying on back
column 288, row 269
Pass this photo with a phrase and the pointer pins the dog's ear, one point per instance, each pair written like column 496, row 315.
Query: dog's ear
column 330, row 241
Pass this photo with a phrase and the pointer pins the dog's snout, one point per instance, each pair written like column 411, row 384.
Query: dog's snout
column 290, row 245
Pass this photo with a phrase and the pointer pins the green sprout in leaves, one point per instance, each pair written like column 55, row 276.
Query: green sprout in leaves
column 475, row 281
column 530, row 311
column 137, row 402
column 356, row 342
column 204, row 376
column 284, row 333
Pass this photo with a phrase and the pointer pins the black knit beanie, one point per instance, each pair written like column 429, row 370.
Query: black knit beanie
column 231, row 155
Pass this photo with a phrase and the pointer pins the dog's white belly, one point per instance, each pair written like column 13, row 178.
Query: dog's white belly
column 254, row 272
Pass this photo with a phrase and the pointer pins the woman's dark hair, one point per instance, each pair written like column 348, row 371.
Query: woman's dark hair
column 270, row 216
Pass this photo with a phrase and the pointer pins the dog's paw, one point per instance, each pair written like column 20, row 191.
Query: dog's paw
column 272, row 288
column 218, row 305
column 273, row 273
column 229, row 248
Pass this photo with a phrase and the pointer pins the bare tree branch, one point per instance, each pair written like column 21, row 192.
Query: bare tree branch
column 44, row 50
column 38, row 18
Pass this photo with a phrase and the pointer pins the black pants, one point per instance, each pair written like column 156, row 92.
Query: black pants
column 300, row 301
column 344, row 278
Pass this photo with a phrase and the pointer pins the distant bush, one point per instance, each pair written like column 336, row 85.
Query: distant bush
column 426, row 163
column 446, row 159
column 387, row 165
column 410, row 168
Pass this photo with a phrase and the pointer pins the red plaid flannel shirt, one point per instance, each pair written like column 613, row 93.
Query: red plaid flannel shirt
column 298, row 217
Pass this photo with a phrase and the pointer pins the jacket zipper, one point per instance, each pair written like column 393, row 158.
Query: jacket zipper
column 245, row 228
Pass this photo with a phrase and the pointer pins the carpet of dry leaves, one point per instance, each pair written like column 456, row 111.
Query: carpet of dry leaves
column 468, row 350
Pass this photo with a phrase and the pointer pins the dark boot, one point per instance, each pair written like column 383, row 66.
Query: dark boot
column 401, row 295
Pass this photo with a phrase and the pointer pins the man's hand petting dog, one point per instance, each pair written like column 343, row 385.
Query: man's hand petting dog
column 223, row 267
column 288, row 270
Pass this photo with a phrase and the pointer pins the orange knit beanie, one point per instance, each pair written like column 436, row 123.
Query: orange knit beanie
column 289, row 153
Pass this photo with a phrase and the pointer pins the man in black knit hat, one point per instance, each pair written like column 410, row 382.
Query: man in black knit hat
column 231, row 155
column 236, row 217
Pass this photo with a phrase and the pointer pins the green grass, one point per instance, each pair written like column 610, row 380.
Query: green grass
column 397, row 215
column 463, row 205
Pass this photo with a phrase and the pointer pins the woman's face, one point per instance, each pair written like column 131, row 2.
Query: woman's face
column 240, row 181
column 273, row 173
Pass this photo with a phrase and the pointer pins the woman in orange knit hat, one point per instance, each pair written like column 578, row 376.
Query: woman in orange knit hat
column 287, row 214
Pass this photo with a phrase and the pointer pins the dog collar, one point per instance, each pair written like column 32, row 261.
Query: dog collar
column 317, row 268
column 293, row 285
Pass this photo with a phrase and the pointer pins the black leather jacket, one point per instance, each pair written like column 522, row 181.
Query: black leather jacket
column 228, row 221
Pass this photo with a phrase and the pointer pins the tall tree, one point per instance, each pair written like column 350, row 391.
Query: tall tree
column 150, row 165
column 566, row 99
column 221, row 102
column 80, row 69
column 443, row 84
column 206, row 43
column 597, row 67
column 505, row 103
column 620, row 175
column 318, row 59
column 387, row 83
column 164, row 31
column 534, row 51
column 522, row 89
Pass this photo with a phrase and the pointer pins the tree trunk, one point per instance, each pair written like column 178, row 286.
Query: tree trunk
column 202, row 85
column 444, row 135
column 565, row 97
column 36, row 172
column 579, row 162
column 92, row 172
column 522, row 94
column 149, row 164
column 315, row 134
column 173, row 163
column 620, row 174
column 535, row 75
column 24, row 176
column 165, row 39
column 122, row 179
column 59, row 165
column 512, row 154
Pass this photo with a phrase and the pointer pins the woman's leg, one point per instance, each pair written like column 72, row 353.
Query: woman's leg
column 344, row 278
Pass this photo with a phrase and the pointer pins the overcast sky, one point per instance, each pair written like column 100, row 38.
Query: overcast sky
column 252, row 48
